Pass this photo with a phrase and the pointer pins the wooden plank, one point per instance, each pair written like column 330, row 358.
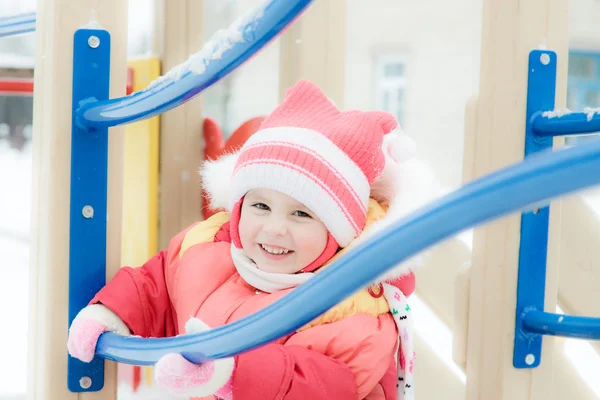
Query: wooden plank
column 511, row 29
column 470, row 140
column 314, row 48
column 435, row 278
column 57, row 22
column 579, row 291
column 449, row 385
column 181, row 138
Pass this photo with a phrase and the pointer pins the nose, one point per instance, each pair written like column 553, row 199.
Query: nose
column 275, row 226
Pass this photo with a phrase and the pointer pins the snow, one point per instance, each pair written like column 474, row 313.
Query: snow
column 92, row 23
column 13, row 60
column 225, row 39
column 559, row 112
column 220, row 42
column 590, row 112
column 125, row 392
column 15, row 193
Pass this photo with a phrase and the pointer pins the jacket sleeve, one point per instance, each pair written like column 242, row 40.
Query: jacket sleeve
column 341, row 360
column 139, row 297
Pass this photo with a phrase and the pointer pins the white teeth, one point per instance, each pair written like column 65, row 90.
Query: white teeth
column 272, row 250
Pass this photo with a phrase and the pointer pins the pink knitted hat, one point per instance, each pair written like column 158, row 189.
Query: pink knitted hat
column 325, row 159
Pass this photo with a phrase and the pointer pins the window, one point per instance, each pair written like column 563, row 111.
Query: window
column 583, row 85
column 390, row 81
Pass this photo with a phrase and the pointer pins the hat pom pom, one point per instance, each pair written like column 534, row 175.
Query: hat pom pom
column 397, row 149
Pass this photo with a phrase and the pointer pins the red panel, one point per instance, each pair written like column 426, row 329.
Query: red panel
column 16, row 86
column 130, row 74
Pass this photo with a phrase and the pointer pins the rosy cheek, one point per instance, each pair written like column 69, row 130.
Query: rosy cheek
column 312, row 242
column 247, row 230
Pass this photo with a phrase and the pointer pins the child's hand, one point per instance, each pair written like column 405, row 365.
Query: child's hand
column 87, row 327
column 176, row 374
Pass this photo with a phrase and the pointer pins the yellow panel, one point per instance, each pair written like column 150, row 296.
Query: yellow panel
column 149, row 375
column 140, row 192
column 140, row 185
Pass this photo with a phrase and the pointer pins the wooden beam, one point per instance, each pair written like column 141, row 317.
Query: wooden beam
column 57, row 22
column 181, row 128
column 511, row 29
column 314, row 48
column 579, row 292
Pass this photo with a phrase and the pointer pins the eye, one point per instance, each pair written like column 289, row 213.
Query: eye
column 302, row 214
column 261, row 206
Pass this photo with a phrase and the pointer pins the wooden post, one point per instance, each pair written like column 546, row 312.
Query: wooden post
column 314, row 48
column 181, row 128
column 511, row 29
column 57, row 22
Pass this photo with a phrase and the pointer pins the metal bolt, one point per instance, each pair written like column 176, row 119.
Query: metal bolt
column 545, row 58
column 529, row 359
column 536, row 210
column 88, row 211
column 85, row 382
column 94, row 42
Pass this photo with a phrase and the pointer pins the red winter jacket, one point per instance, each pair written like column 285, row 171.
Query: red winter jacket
column 347, row 353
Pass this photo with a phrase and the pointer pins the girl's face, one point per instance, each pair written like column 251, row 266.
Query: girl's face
column 278, row 233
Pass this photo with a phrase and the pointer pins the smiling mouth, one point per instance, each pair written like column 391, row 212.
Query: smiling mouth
column 275, row 252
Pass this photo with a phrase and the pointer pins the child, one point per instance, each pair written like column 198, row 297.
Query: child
column 299, row 193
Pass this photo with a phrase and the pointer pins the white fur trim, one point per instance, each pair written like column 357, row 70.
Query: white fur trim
column 106, row 316
column 302, row 188
column 415, row 185
column 223, row 367
column 216, row 180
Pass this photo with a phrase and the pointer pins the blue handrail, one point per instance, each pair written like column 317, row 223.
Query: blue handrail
column 537, row 179
column 575, row 123
column 242, row 40
column 15, row 25
column 562, row 325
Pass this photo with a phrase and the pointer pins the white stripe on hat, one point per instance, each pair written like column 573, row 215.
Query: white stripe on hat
column 285, row 178
column 324, row 148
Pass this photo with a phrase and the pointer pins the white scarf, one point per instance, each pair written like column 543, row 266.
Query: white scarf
column 270, row 282
column 265, row 281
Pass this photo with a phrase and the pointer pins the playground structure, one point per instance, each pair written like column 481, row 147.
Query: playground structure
column 497, row 134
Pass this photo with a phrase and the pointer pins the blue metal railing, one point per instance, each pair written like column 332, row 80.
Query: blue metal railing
column 505, row 191
column 531, row 321
column 17, row 24
column 184, row 84
column 562, row 325
column 568, row 124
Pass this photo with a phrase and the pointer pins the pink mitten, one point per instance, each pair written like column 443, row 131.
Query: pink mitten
column 87, row 327
column 176, row 374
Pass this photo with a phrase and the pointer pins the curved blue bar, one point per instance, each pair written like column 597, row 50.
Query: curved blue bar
column 569, row 124
column 17, row 24
column 562, row 325
column 541, row 177
column 172, row 90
